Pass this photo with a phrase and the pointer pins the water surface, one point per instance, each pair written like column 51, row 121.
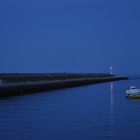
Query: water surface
column 99, row 111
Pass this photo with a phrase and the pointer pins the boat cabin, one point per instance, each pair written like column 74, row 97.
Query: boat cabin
column 132, row 87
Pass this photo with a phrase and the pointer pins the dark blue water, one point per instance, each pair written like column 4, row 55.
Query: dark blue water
column 92, row 112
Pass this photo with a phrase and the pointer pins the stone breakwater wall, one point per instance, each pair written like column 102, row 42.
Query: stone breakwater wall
column 14, row 89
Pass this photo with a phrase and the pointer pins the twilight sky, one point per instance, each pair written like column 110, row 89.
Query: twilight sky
column 70, row 36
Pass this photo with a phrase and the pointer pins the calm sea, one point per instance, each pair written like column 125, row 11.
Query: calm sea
column 99, row 111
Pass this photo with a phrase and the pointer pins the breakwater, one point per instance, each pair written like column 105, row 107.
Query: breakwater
column 19, row 88
column 26, row 77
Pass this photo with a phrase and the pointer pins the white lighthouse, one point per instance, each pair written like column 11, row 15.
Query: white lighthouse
column 111, row 69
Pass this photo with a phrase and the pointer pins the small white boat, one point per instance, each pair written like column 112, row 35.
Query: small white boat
column 133, row 93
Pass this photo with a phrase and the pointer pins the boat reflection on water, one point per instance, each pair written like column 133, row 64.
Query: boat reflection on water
column 111, row 115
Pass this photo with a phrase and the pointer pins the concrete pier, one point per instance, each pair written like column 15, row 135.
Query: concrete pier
column 13, row 89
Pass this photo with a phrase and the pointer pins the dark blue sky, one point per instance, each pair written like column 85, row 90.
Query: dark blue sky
column 69, row 35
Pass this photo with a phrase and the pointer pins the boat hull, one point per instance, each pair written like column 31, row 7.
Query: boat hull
column 133, row 97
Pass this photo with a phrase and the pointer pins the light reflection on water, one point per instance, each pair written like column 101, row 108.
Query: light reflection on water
column 92, row 112
column 112, row 119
